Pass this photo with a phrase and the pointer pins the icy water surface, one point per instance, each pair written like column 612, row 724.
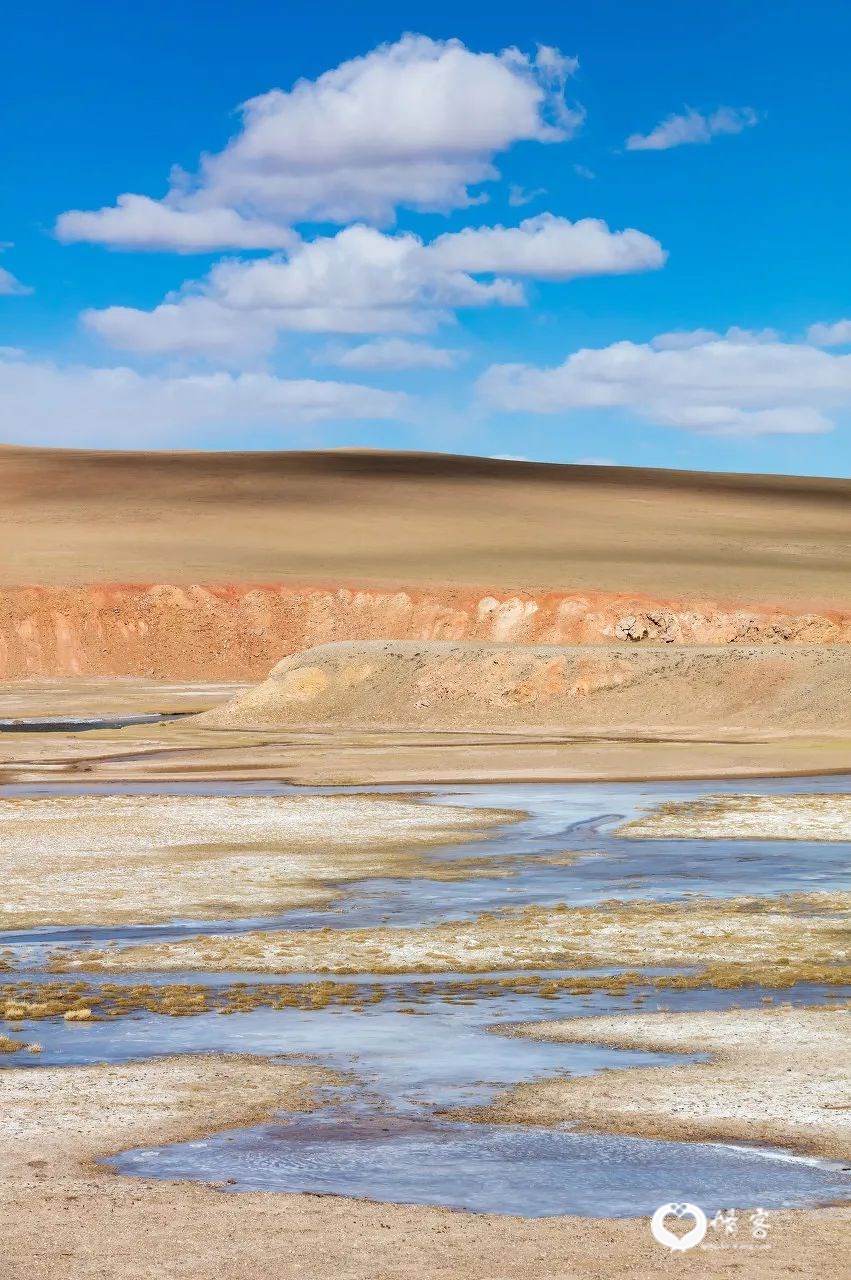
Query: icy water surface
column 80, row 724
column 425, row 1050
column 384, row 1134
column 578, row 819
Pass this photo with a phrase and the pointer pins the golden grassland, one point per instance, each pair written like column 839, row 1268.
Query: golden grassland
column 91, row 1001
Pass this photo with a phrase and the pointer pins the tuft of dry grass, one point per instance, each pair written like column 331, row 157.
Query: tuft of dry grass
column 746, row 817
column 771, row 934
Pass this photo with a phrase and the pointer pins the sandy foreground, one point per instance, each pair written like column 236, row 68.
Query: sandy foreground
column 181, row 751
column 132, row 859
column 800, row 929
column 65, row 1219
column 744, row 817
column 778, row 1076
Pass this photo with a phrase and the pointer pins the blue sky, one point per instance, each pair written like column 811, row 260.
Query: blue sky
column 624, row 240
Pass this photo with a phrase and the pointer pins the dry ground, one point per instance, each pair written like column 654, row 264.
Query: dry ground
column 181, row 751
column 64, row 1219
column 762, row 933
column 779, row 1076
column 75, row 517
column 744, row 817
column 452, row 686
column 102, row 860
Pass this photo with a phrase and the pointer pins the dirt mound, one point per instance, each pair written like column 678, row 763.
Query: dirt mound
column 445, row 685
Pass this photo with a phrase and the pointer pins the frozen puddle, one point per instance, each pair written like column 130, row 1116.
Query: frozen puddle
column 575, row 819
column 531, row 1172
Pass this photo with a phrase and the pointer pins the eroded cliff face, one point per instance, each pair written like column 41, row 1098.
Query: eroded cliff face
column 240, row 631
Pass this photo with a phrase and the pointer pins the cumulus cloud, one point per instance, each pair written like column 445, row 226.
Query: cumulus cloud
column 830, row 335
column 362, row 280
column 413, row 124
column 681, row 340
column 396, row 353
column 137, row 222
column 549, row 248
column 692, row 126
column 736, row 385
column 45, row 403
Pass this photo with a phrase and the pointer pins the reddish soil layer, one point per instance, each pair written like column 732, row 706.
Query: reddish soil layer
column 240, row 632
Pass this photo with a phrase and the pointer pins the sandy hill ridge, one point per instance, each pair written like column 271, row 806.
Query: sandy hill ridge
column 77, row 517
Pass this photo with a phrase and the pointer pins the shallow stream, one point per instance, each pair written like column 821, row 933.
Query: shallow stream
column 430, row 1047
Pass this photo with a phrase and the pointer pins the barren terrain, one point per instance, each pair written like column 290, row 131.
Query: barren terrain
column 214, row 566
column 66, row 1219
column 778, row 1076
column 84, row 517
column 744, row 817
column 100, row 860
column 445, row 685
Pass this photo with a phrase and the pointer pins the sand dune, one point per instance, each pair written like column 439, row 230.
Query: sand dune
column 445, row 685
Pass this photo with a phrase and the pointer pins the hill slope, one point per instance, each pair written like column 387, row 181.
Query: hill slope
column 73, row 517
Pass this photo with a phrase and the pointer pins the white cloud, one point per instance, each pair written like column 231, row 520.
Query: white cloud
column 188, row 326
column 692, row 126
column 137, row 222
column 830, row 335
column 518, row 195
column 9, row 284
column 362, row 280
column 549, row 248
column 582, row 171
column 412, row 124
column 737, row 385
column 396, row 353
column 682, row 340
column 44, row 403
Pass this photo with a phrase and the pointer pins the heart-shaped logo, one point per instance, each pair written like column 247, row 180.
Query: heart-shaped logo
column 678, row 1244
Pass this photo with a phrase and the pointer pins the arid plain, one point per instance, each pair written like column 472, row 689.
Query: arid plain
column 455, row 784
